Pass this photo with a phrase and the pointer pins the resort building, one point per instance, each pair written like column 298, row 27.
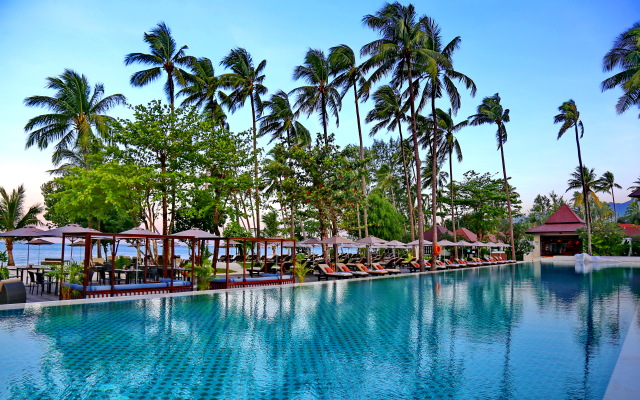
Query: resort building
column 467, row 235
column 440, row 230
column 557, row 236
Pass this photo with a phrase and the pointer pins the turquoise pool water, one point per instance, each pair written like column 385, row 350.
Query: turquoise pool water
column 525, row 331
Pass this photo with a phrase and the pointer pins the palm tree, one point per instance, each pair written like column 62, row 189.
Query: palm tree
column 280, row 121
column 390, row 113
column 320, row 95
column 246, row 82
column 636, row 185
column 449, row 146
column 625, row 55
column 78, row 119
column 440, row 80
column 570, row 117
column 403, row 44
column 586, row 179
column 202, row 89
column 13, row 215
column 350, row 75
column 165, row 55
column 491, row 112
column 607, row 183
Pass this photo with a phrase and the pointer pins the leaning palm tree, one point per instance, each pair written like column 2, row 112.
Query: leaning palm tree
column 440, row 80
column 246, row 82
column 390, row 112
column 570, row 117
column 636, row 185
column 321, row 94
column 402, row 45
column 585, row 179
column 449, row 146
column 165, row 55
column 607, row 183
column 78, row 119
column 202, row 89
column 349, row 75
column 13, row 215
column 280, row 121
column 625, row 55
column 491, row 112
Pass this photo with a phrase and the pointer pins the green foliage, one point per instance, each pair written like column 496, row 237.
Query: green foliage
column 204, row 273
column 299, row 269
column 122, row 262
column 606, row 238
column 4, row 271
column 632, row 215
column 543, row 207
column 271, row 224
column 73, row 273
column 385, row 221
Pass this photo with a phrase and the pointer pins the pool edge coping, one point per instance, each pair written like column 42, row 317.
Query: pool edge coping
column 624, row 383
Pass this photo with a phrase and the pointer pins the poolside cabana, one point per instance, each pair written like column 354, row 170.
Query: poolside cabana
column 557, row 236
column 166, row 284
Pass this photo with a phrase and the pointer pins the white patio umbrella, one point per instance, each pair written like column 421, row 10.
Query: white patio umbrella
column 369, row 242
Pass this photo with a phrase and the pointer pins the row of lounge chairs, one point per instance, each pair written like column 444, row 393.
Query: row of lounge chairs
column 413, row 266
column 357, row 270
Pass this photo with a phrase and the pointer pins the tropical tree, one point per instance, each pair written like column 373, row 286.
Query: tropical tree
column 402, row 45
column 449, row 146
column 390, row 112
column 570, row 117
column 587, row 180
column 625, row 55
column 78, row 120
column 165, row 55
column 13, row 215
column 280, row 121
column 440, row 76
column 320, row 95
column 202, row 89
column 636, row 185
column 492, row 112
column 607, row 183
column 246, row 82
column 349, row 75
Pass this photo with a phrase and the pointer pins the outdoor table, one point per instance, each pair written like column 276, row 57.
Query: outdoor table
column 22, row 269
column 127, row 272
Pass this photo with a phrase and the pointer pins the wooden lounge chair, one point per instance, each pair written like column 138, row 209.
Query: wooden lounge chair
column 325, row 272
column 373, row 272
column 345, row 268
column 391, row 271
column 414, row 266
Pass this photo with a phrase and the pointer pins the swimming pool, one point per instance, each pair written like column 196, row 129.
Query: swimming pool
column 524, row 331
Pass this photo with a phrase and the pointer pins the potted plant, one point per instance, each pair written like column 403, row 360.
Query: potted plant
column 300, row 270
column 69, row 274
column 203, row 274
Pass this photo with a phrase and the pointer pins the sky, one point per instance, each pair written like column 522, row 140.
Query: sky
column 536, row 55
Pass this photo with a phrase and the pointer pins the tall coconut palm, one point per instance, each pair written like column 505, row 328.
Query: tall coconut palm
column 440, row 80
column 320, row 95
column 280, row 121
column 390, row 112
column 625, row 55
column 449, row 146
column 202, row 89
column 587, row 180
column 570, row 117
column 349, row 75
column 246, row 82
column 402, row 45
column 78, row 119
column 13, row 215
column 492, row 112
column 607, row 183
column 165, row 55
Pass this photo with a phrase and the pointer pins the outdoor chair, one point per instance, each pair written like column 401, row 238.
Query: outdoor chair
column 325, row 272
column 373, row 272
column 357, row 274
column 392, row 271
column 12, row 291
column 41, row 282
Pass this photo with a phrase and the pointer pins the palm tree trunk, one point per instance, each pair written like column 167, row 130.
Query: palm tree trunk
column 324, row 119
column 406, row 182
column 9, row 245
column 416, row 150
column 584, row 193
column 434, row 173
column 615, row 212
column 506, row 191
column 255, row 166
column 364, row 169
column 453, row 212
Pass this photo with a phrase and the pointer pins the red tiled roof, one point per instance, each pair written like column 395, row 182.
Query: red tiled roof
column 466, row 234
column 440, row 230
column 559, row 228
column 564, row 215
column 630, row 229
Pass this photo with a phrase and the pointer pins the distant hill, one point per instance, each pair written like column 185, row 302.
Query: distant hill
column 620, row 207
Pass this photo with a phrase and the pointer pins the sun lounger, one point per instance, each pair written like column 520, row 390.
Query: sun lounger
column 392, row 271
column 325, row 272
column 345, row 268
column 414, row 266
column 373, row 272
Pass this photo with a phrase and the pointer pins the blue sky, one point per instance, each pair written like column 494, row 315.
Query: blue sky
column 535, row 54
